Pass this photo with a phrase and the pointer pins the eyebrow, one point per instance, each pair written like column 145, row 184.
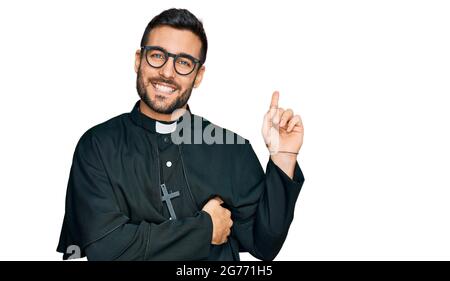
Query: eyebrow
column 181, row 53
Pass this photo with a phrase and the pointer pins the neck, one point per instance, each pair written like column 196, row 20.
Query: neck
column 160, row 116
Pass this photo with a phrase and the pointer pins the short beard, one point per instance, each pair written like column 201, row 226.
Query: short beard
column 179, row 102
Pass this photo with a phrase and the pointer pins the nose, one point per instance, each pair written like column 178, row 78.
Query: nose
column 168, row 71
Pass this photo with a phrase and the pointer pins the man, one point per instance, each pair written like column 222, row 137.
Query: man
column 161, row 183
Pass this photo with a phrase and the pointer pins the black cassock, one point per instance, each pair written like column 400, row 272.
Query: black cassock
column 137, row 194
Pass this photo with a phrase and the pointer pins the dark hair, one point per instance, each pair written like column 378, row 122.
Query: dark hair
column 180, row 19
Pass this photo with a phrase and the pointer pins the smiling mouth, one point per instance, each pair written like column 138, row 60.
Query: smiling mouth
column 163, row 88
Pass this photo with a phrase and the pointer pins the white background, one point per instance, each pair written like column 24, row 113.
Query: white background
column 369, row 78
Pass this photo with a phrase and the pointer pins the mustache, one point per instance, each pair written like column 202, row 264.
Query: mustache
column 165, row 81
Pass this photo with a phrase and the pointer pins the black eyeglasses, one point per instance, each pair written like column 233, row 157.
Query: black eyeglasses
column 157, row 56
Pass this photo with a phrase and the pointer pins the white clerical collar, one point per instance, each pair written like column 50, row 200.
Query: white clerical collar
column 162, row 128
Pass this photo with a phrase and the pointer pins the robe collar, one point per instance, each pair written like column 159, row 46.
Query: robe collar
column 152, row 125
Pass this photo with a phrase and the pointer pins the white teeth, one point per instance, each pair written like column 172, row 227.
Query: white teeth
column 164, row 89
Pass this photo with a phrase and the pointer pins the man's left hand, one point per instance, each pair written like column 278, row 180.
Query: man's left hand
column 283, row 135
column 282, row 130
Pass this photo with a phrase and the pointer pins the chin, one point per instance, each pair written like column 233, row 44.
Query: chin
column 160, row 104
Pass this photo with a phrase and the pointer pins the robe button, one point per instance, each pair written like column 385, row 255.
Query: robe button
column 169, row 164
column 166, row 139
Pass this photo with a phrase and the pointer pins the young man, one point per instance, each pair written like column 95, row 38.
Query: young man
column 160, row 183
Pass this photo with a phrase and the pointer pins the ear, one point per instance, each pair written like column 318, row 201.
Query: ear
column 137, row 60
column 199, row 77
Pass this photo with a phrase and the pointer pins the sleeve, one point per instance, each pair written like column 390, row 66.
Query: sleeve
column 94, row 223
column 265, row 207
column 184, row 239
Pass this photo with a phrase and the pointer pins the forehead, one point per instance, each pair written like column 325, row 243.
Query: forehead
column 175, row 40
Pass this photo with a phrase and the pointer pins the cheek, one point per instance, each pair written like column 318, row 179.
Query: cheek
column 147, row 73
column 145, row 79
column 186, row 83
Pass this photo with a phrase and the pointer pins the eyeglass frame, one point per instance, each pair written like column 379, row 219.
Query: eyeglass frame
column 168, row 55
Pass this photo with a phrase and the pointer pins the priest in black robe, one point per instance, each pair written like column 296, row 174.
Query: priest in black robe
column 161, row 183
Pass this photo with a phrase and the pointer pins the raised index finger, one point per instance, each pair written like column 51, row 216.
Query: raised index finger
column 274, row 102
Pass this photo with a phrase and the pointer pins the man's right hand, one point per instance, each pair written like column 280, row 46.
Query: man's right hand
column 221, row 219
